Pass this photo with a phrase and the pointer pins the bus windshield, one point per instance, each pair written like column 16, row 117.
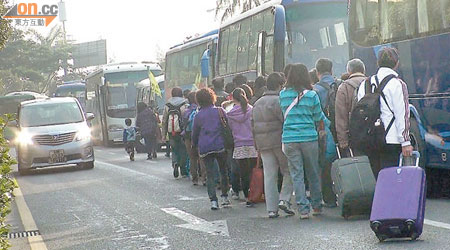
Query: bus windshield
column 317, row 30
column 121, row 93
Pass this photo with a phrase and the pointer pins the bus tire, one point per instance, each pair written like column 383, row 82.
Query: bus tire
column 417, row 142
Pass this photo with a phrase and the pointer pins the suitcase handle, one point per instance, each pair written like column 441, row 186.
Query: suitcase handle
column 414, row 153
column 339, row 152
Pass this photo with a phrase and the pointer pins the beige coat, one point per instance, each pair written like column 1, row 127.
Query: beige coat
column 345, row 101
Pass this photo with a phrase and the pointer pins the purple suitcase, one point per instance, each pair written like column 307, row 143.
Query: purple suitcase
column 398, row 208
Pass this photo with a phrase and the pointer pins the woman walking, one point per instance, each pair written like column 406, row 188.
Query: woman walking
column 207, row 138
column 267, row 129
column 244, row 146
column 188, row 121
column 303, row 117
column 147, row 123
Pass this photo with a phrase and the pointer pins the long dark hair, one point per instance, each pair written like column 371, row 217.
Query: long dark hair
column 299, row 78
column 240, row 96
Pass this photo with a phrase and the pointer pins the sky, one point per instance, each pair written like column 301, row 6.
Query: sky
column 134, row 29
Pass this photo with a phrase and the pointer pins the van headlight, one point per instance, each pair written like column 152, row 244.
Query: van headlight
column 24, row 138
column 83, row 134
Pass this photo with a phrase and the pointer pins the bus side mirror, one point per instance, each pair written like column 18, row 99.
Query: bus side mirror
column 205, row 64
column 103, row 80
column 261, row 53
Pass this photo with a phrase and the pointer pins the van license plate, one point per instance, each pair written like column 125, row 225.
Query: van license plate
column 56, row 156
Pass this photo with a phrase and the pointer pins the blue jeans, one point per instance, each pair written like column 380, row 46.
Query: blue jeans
column 303, row 158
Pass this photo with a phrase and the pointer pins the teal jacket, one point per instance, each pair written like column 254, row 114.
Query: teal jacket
column 300, row 123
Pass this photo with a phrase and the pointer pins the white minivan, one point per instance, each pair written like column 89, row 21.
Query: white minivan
column 53, row 132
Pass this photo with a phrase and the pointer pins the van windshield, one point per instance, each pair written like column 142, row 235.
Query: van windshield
column 44, row 114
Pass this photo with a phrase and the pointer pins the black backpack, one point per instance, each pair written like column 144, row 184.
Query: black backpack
column 330, row 107
column 366, row 129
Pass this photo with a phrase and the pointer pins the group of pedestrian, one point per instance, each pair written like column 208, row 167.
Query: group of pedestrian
column 287, row 120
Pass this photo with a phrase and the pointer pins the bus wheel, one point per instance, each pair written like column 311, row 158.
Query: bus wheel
column 417, row 142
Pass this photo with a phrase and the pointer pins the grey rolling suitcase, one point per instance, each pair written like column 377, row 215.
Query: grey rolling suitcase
column 354, row 184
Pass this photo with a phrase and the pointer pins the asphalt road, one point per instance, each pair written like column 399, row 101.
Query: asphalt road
column 139, row 205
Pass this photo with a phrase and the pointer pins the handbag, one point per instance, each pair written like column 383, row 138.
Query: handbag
column 327, row 145
column 256, row 193
column 226, row 131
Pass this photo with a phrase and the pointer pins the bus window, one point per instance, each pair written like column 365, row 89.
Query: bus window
column 364, row 23
column 242, row 54
column 257, row 26
column 224, row 35
column 232, row 48
column 398, row 20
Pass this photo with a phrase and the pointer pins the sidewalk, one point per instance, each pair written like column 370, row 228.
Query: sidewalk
column 13, row 219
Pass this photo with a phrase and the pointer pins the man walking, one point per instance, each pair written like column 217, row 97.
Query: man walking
column 346, row 99
column 172, row 125
column 394, row 107
column 326, row 88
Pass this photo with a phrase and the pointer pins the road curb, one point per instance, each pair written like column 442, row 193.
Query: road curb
column 35, row 242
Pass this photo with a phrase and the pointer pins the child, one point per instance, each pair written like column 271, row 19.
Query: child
column 129, row 137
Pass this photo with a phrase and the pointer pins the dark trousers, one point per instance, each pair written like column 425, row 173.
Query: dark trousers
column 211, row 171
column 149, row 141
column 129, row 147
column 388, row 157
column 328, row 194
column 179, row 155
column 245, row 171
column 196, row 166
column 234, row 173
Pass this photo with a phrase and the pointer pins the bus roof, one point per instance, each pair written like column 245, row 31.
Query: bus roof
column 71, row 86
column 124, row 67
column 251, row 12
column 31, row 93
column 146, row 81
column 289, row 2
column 192, row 43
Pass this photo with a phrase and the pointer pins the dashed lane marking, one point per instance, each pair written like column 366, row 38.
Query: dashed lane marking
column 36, row 242
column 437, row 224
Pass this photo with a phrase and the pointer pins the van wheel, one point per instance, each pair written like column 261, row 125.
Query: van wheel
column 87, row 165
column 23, row 170
column 417, row 142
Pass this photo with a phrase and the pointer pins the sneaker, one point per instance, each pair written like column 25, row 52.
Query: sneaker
column 155, row 155
column 176, row 173
column 235, row 196
column 149, row 157
column 330, row 204
column 286, row 207
column 214, row 205
column 304, row 216
column 317, row 211
column 249, row 204
column 273, row 215
column 225, row 201
column 195, row 183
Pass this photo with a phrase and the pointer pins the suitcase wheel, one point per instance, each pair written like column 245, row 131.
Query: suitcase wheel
column 381, row 237
column 375, row 226
column 414, row 236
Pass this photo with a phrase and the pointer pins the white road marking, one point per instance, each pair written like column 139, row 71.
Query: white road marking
column 186, row 198
column 437, row 224
column 35, row 242
column 128, row 170
column 218, row 227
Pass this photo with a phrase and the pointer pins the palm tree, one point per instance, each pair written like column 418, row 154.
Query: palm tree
column 228, row 8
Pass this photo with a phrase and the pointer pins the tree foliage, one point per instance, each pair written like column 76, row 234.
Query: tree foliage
column 7, row 184
column 5, row 26
column 33, row 62
column 227, row 8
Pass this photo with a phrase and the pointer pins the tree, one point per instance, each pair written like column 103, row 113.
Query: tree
column 160, row 56
column 34, row 62
column 5, row 27
column 227, row 8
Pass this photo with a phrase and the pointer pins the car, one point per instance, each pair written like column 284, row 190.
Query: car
column 53, row 132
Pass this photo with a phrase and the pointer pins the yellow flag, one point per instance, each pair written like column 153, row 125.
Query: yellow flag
column 154, row 84
column 198, row 80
